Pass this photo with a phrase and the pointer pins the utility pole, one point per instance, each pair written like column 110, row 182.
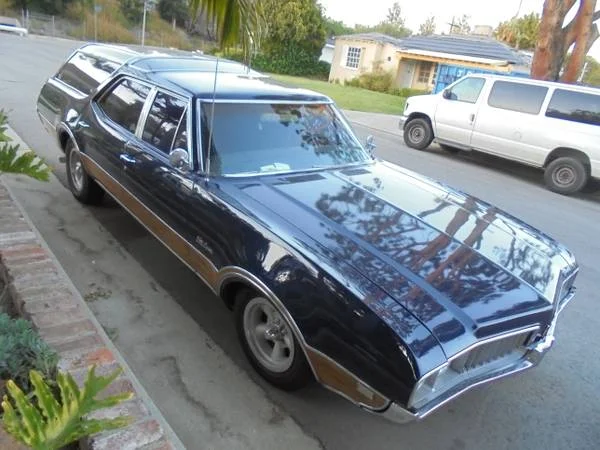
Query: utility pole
column 452, row 25
column 144, row 24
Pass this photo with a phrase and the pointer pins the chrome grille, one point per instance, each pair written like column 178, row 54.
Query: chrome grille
column 490, row 351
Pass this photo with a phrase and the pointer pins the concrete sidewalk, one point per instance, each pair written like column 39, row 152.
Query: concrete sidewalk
column 386, row 123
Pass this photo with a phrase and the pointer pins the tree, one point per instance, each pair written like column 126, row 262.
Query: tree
column 461, row 26
column 555, row 39
column 394, row 15
column 336, row 27
column 520, row 32
column 428, row 27
column 295, row 34
column 393, row 25
column 177, row 10
column 132, row 10
column 234, row 20
column 592, row 72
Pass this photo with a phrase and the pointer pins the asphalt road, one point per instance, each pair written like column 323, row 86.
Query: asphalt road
column 179, row 339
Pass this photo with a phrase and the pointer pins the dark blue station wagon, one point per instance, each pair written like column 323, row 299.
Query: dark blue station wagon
column 386, row 287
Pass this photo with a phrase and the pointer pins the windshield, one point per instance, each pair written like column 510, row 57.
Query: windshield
column 261, row 138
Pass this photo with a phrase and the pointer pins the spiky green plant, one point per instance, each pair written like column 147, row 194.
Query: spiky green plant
column 50, row 423
column 13, row 161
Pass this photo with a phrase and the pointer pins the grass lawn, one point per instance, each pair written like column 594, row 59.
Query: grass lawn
column 348, row 97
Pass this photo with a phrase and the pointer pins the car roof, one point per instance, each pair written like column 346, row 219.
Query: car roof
column 556, row 84
column 195, row 74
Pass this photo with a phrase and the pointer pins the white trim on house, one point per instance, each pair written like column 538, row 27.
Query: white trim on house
column 494, row 62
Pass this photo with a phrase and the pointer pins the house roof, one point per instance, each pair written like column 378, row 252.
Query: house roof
column 464, row 45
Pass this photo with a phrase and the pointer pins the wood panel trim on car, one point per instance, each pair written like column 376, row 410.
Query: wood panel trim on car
column 180, row 247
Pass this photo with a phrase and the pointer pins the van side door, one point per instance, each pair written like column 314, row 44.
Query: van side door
column 456, row 111
column 509, row 123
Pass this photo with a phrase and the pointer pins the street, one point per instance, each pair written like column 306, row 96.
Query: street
column 180, row 341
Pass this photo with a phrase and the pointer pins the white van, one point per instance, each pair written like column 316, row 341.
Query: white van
column 550, row 125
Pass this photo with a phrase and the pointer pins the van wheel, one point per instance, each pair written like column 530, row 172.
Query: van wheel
column 418, row 133
column 566, row 175
column 82, row 186
column 449, row 148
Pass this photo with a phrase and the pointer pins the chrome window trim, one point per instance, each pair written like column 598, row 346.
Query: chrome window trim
column 139, row 129
column 529, row 329
column 273, row 102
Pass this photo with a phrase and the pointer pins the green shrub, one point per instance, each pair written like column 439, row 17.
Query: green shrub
column 22, row 349
column 53, row 421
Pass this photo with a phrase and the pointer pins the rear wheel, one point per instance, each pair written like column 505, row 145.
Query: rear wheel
column 418, row 133
column 269, row 342
column 566, row 175
column 82, row 186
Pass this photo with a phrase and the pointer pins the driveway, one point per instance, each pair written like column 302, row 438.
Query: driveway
column 180, row 342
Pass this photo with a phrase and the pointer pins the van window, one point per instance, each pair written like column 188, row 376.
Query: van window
column 85, row 73
column 124, row 103
column 163, row 121
column 575, row 106
column 520, row 97
column 467, row 90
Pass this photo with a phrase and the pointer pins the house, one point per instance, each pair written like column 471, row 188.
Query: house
column 327, row 51
column 423, row 62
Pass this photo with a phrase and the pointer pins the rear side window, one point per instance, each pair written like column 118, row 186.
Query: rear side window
column 85, row 73
column 575, row 106
column 520, row 97
column 123, row 103
column 164, row 119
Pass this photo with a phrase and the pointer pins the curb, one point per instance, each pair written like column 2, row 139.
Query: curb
column 41, row 291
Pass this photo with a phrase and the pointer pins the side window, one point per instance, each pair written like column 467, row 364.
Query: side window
column 467, row 90
column 163, row 121
column 520, row 97
column 85, row 73
column 124, row 103
column 575, row 106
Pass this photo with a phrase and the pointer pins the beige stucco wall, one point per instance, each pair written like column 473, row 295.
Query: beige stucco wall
column 373, row 55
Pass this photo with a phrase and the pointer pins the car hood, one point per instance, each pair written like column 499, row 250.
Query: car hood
column 456, row 263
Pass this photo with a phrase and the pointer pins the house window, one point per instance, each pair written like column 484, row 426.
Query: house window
column 353, row 57
column 424, row 72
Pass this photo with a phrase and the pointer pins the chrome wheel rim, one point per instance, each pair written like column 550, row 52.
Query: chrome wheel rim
column 268, row 335
column 76, row 170
column 416, row 134
column 564, row 176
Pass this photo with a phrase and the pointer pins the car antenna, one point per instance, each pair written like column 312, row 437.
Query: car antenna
column 212, row 119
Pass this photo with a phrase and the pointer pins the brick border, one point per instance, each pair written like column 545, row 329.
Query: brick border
column 41, row 291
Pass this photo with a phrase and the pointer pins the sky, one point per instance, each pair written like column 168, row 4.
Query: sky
column 482, row 12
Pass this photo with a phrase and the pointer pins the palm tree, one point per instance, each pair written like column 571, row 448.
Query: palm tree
column 236, row 20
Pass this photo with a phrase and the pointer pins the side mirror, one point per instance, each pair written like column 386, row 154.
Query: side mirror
column 447, row 94
column 179, row 159
column 370, row 144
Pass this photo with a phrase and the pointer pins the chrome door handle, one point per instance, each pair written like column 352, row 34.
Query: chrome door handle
column 127, row 159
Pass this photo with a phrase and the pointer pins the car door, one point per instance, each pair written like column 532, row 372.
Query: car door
column 456, row 111
column 111, row 121
column 511, row 125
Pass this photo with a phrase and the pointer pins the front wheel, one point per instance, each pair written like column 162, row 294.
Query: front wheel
column 269, row 342
column 82, row 186
column 566, row 175
column 418, row 133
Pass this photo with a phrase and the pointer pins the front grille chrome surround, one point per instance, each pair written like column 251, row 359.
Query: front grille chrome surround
column 491, row 350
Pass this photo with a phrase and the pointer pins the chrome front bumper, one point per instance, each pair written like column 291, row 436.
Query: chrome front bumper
column 533, row 356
